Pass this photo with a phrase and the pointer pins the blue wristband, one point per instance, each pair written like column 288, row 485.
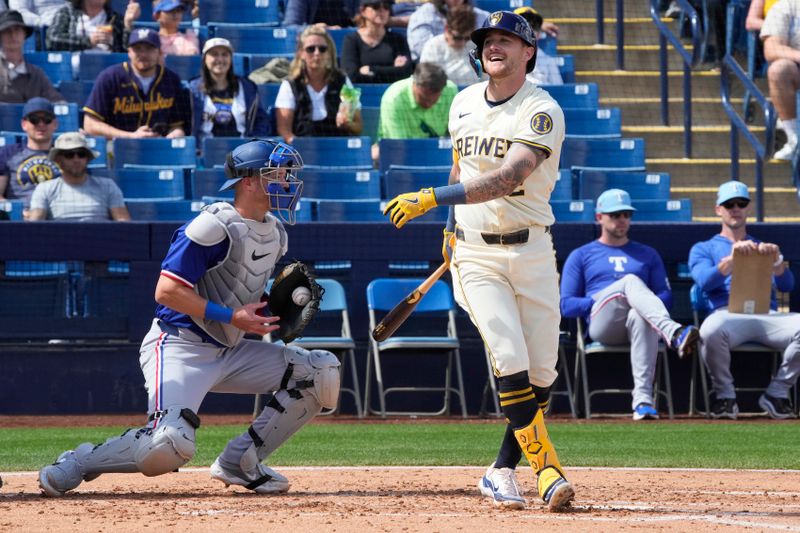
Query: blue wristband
column 218, row 313
column 450, row 194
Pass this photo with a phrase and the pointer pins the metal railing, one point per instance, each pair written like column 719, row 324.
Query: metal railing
column 763, row 150
column 599, row 8
column 690, row 60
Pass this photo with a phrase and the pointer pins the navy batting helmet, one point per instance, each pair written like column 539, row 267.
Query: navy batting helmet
column 504, row 21
column 277, row 164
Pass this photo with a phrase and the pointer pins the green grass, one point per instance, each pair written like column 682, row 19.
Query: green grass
column 696, row 445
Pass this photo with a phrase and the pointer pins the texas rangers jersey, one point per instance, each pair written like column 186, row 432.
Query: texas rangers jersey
column 482, row 132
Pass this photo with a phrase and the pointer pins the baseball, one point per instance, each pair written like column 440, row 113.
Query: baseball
column 301, row 295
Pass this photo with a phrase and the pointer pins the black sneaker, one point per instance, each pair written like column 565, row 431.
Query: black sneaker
column 685, row 340
column 725, row 408
column 778, row 408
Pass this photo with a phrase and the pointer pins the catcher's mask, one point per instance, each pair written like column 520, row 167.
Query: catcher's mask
column 504, row 21
column 277, row 164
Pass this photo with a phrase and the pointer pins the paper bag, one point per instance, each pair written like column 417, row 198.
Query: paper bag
column 751, row 284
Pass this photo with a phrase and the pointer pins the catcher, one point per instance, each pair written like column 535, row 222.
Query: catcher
column 208, row 295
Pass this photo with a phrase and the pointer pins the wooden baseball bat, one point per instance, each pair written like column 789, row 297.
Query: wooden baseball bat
column 400, row 312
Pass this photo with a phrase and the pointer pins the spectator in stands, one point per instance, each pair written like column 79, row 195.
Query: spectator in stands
column 428, row 21
column 450, row 50
column 19, row 80
column 374, row 54
column 328, row 13
column 168, row 14
column 309, row 102
column 715, row 26
column 711, row 264
column 26, row 164
column 224, row 104
column 77, row 195
column 138, row 98
column 91, row 25
column 37, row 12
column 546, row 70
column 781, row 36
column 620, row 288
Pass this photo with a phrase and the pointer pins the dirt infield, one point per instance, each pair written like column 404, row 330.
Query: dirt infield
column 408, row 499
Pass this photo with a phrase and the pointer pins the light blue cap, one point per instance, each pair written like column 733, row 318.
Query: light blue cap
column 732, row 189
column 614, row 200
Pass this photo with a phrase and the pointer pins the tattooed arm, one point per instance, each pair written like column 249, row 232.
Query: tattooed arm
column 519, row 162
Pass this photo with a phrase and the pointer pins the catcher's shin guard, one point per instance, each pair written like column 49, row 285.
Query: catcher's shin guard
column 535, row 443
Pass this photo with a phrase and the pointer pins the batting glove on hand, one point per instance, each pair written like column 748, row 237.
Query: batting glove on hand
column 409, row 206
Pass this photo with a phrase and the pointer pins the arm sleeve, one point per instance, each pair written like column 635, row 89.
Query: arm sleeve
column 574, row 302
column 704, row 268
column 658, row 280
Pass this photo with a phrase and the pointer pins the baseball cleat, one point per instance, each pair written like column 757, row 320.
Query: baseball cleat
column 645, row 411
column 62, row 476
column 263, row 480
column 685, row 341
column 556, row 491
column 500, row 484
column 777, row 408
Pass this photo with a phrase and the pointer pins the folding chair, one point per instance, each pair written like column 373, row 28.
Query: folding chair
column 382, row 295
column 584, row 349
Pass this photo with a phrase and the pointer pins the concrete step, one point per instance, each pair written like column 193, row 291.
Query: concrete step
column 647, row 111
column 708, row 142
column 585, row 8
column 697, row 172
column 638, row 30
column 604, row 56
column 647, row 83
column 780, row 204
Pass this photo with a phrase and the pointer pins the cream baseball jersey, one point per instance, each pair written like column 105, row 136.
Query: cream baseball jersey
column 482, row 133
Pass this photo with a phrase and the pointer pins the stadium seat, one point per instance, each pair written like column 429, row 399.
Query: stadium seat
column 91, row 64
column 165, row 184
column 593, row 123
column 33, row 289
column 186, row 67
column 579, row 95
column 640, row 185
column 398, row 180
column 268, row 92
column 34, row 43
column 341, row 184
column 573, row 210
column 563, row 191
column 76, row 91
column 547, row 44
column 11, row 117
column 349, row 211
column 256, row 40
column 250, row 12
column 12, row 209
column 149, row 209
column 57, row 65
column 679, row 210
column 207, row 181
column 338, row 35
column 371, row 93
column 68, row 117
column 371, row 117
column 157, row 153
column 351, row 152
column 9, row 137
column 99, row 145
column 566, row 67
column 214, row 150
column 437, row 311
column 603, row 154
column 419, row 153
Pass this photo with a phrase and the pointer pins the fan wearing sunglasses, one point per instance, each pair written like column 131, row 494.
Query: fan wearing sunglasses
column 619, row 286
column 450, row 50
column 77, row 195
column 711, row 264
column 309, row 101
column 25, row 164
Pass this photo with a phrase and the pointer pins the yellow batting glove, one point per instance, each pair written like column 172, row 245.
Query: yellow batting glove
column 410, row 205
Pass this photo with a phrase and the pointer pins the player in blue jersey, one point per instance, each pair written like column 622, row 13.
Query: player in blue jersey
column 620, row 288
column 209, row 295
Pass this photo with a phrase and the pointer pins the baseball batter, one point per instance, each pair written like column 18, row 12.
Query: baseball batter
column 208, row 293
column 507, row 136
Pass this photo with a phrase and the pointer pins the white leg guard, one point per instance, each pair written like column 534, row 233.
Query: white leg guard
column 315, row 371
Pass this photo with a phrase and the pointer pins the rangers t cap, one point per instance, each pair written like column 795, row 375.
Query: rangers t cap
column 614, row 200
column 732, row 189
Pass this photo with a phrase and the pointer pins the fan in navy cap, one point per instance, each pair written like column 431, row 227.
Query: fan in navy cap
column 138, row 98
column 169, row 14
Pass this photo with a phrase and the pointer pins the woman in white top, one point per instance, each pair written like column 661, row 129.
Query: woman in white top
column 309, row 102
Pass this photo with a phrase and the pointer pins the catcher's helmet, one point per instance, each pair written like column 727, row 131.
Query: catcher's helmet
column 504, row 21
column 277, row 164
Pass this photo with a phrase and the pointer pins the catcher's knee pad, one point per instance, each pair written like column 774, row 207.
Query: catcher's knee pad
column 315, row 371
column 171, row 444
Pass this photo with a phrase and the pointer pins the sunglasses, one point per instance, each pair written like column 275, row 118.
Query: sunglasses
column 741, row 204
column 621, row 214
column 40, row 119
column 321, row 48
column 83, row 154
column 460, row 38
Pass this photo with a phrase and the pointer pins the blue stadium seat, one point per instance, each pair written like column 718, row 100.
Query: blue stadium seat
column 76, row 91
column 268, row 92
column 371, row 93
column 341, row 184
column 93, row 64
column 68, row 117
column 640, row 185
column 165, row 184
column 215, row 149
column 566, row 67
column 149, row 209
column 158, row 153
column 371, row 117
column 207, row 181
column 57, row 65
column 252, row 12
column 593, row 123
column 100, row 145
column 12, row 208
column 349, row 211
column 338, row 35
column 563, row 190
column 302, row 213
column 573, row 210
column 352, row 152
column 547, row 44
column 11, row 117
column 34, row 42
column 679, row 210
column 415, row 153
column 398, row 181
column 583, row 95
column 501, row 5
column 10, row 137
column 186, row 67
column 256, row 40
column 603, row 154
column 35, row 288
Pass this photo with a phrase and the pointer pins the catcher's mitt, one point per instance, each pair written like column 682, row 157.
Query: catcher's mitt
column 294, row 318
